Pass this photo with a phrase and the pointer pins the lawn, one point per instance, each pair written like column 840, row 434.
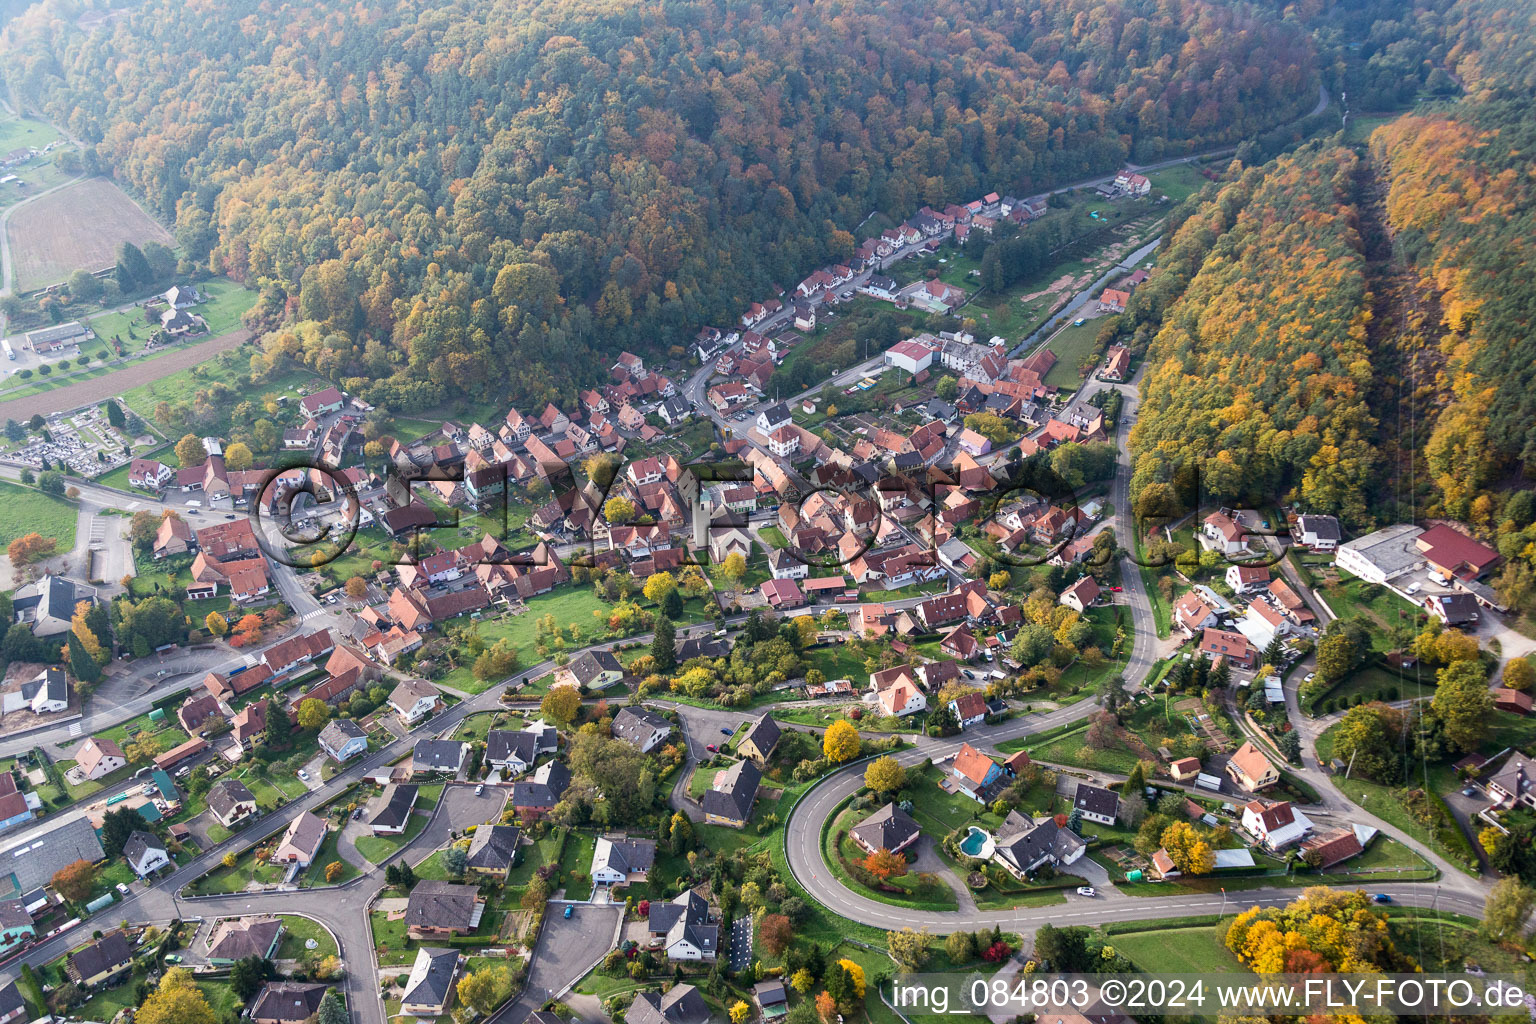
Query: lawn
column 576, row 866
column 296, row 931
column 1380, row 608
column 390, row 941
column 25, row 510
column 1388, row 804
column 1373, row 682
column 183, row 385
column 326, row 855
column 915, row 891
column 1071, row 345
column 1071, row 749
column 1194, row 950
column 378, row 848
column 773, row 536
column 841, row 661
column 16, row 132
column 1177, row 183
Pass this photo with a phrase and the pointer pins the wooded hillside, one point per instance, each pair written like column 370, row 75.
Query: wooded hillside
column 488, row 197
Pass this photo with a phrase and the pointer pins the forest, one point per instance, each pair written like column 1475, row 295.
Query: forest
column 1260, row 371
column 485, row 200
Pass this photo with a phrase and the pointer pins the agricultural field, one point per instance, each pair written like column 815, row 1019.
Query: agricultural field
column 76, row 228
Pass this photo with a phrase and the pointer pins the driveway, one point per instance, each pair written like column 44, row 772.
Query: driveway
column 457, row 810
column 568, row 948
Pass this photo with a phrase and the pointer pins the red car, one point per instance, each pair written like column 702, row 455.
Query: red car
column 712, row 748
column 1116, row 590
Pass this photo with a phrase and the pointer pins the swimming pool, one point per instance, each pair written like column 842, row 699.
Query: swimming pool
column 977, row 843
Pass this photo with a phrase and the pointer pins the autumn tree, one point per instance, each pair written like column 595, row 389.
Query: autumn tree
column 740, row 1011
column 1191, row 853
column 619, row 510
column 776, row 933
column 176, row 1001
column 216, row 624
column 561, row 705
column 356, row 588
column 313, row 713
column 1519, row 674
column 826, row 1006
column 659, row 585
column 733, row 569
column 885, row 775
column 884, row 864
column 909, row 948
column 841, row 742
column 333, row 871
column 74, row 880
column 190, row 451
column 237, row 456
column 485, row 989
column 29, row 548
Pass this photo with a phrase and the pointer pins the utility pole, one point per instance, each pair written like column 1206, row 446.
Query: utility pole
column 1223, row 912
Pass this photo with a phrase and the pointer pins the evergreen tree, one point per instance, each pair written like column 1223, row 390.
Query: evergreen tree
column 278, row 728
column 133, row 270
column 81, row 663
column 1134, row 782
column 672, row 605
column 664, row 645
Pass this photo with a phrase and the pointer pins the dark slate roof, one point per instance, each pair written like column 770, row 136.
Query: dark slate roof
column 226, row 793
column 623, row 854
column 11, row 1000
column 502, row 744
column 340, row 730
column 287, row 1000
column 439, row 755
column 734, row 790
column 1093, row 800
column 886, row 829
column 105, row 954
column 777, row 412
column 682, row 1004
column 245, row 937
column 591, row 664
column 685, row 916
column 493, row 847
column 399, row 799
column 441, row 905
column 141, row 843
column 547, row 784
column 637, row 725
column 432, row 982
column 701, row 647
column 765, row 733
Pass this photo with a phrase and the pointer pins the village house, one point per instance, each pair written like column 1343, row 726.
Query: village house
column 684, row 927
column 621, row 860
column 974, row 773
column 1251, row 770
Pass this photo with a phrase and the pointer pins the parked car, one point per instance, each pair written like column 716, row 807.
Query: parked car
column 122, row 888
column 1086, row 890
column 230, row 516
column 569, row 910
column 172, row 958
column 303, row 774
column 480, row 789
column 712, row 748
column 724, row 731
